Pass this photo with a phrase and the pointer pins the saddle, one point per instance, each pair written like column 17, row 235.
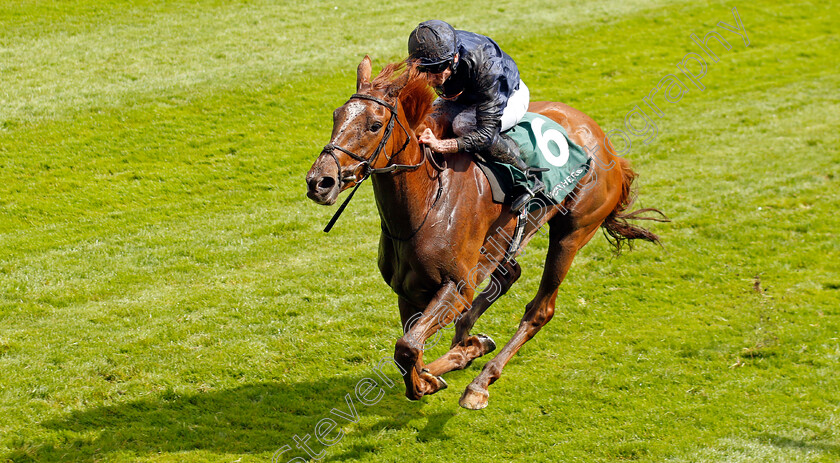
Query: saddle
column 501, row 183
column 551, row 155
column 558, row 162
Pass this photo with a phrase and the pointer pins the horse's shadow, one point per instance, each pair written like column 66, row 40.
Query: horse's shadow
column 433, row 431
column 256, row 418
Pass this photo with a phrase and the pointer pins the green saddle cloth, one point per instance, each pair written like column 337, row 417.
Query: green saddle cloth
column 544, row 144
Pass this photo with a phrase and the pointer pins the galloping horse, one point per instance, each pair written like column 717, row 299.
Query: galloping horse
column 438, row 223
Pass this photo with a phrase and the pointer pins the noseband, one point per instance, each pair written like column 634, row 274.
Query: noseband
column 367, row 163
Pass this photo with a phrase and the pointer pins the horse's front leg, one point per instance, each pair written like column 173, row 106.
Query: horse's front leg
column 466, row 347
column 419, row 327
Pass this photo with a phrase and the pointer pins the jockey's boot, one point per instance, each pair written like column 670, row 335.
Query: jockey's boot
column 504, row 149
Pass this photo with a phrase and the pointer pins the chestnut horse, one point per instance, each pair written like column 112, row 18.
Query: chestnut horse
column 438, row 224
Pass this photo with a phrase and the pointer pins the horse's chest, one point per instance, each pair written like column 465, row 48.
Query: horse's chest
column 414, row 273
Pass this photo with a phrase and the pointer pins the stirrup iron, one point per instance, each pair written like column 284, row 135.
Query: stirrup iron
column 525, row 198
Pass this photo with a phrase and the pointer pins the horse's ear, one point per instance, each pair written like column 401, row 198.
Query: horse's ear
column 363, row 74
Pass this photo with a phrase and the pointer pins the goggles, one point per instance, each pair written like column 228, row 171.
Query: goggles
column 436, row 68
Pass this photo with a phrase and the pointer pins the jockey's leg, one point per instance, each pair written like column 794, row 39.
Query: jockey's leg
column 505, row 150
column 516, row 107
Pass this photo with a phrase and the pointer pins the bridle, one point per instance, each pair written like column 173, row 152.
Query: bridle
column 367, row 163
column 368, row 170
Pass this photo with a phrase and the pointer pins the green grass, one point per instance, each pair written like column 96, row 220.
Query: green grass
column 166, row 293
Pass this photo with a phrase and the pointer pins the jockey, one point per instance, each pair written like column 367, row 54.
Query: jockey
column 480, row 92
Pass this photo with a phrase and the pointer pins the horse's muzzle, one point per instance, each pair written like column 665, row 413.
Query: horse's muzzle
column 322, row 183
column 323, row 189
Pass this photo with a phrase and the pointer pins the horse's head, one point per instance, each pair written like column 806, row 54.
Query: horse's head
column 361, row 137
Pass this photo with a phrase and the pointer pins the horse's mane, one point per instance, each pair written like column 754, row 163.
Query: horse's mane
column 415, row 97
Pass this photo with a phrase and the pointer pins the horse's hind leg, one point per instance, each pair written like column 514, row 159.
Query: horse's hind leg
column 465, row 347
column 538, row 312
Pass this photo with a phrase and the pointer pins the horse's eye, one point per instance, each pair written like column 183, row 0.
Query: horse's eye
column 375, row 126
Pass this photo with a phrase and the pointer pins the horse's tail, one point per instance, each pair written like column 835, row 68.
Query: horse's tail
column 616, row 225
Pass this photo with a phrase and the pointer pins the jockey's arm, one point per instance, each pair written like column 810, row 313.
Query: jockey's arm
column 446, row 146
column 489, row 107
column 488, row 122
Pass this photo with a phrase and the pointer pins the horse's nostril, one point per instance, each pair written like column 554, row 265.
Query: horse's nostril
column 326, row 183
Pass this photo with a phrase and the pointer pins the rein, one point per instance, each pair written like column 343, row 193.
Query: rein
column 366, row 163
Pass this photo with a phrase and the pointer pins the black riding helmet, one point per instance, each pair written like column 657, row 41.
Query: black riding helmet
column 433, row 45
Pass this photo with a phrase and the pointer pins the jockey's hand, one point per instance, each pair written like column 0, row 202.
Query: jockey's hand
column 428, row 138
column 437, row 145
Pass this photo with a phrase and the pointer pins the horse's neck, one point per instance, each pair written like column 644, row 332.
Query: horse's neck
column 404, row 198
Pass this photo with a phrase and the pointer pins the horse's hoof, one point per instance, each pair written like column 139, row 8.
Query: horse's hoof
column 474, row 398
column 487, row 344
column 443, row 383
column 437, row 383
